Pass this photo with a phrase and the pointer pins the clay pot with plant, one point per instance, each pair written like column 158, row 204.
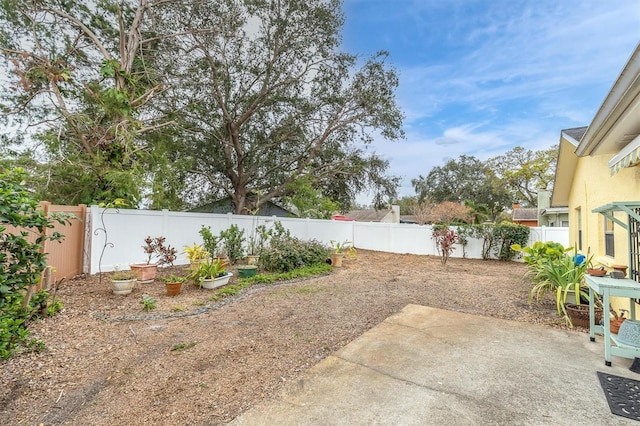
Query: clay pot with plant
column 339, row 249
column 155, row 249
column 213, row 244
column 173, row 284
column 257, row 242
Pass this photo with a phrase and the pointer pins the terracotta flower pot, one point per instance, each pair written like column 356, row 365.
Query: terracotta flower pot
column 336, row 259
column 173, row 289
column 614, row 325
column 146, row 273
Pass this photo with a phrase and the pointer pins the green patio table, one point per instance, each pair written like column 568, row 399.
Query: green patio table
column 607, row 287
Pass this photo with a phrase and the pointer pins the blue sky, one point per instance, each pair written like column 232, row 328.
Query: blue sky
column 479, row 77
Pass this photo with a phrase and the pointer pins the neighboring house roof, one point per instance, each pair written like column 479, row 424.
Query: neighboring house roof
column 341, row 217
column 390, row 215
column 522, row 214
column 226, row 206
column 368, row 215
column 408, row 219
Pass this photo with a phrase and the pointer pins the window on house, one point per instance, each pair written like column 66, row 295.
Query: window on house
column 565, row 223
column 608, row 238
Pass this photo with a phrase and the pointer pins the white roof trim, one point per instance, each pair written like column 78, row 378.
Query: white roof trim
column 627, row 157
column 624, row 90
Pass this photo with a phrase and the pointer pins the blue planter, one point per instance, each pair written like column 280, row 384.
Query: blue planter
column 629, row 333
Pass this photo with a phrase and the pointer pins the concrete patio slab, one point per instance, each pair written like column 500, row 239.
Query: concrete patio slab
column 430, row 366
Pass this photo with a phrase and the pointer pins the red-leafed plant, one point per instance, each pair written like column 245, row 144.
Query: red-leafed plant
column 445, row 239
column 155, row 248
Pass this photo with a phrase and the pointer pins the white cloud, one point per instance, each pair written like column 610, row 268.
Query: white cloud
column 480, row 77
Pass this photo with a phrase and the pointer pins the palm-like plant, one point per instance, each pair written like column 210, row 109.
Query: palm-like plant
column 209, row 269
column 558, row 276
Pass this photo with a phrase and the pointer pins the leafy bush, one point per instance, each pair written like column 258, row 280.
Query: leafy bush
column 21, row 262
column 505, row 235
column 229, row 242
column 497, row 238
column 286, row 253
column 211, row 242
column 482, row 232
column 148, row 303
column 233, row 241
column 541, row 252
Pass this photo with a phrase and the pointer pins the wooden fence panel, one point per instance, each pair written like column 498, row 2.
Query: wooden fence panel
column 66, row 257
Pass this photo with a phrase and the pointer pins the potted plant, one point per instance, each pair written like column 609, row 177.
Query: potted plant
column 213, row 244
column 173, row 283
column 563, row 277
column 210, row 274
column 154, row 248
column 233, row 242
column 196, row 253
column 256, row 243
column 122, row 282
column 339, row 249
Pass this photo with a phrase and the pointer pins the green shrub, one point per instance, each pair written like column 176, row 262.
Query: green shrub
column 211, row 243
column 233, row 242
column 21, row 262
column 148, row 303
column 541, row 252
column 286, row 253
column 505, row 235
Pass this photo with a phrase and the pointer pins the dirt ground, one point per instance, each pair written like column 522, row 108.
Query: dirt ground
column 193, row 361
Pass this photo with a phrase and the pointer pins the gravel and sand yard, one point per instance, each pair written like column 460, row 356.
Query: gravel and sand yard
column 194, row 361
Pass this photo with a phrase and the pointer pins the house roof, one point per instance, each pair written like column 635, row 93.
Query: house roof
column 368, row 215
column 554, row 210
column 522, row 213
column 341, row 217
column 575, row 134
column 225, row 205
column 567, row 160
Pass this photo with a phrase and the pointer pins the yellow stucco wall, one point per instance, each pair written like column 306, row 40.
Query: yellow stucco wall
column 593, row 186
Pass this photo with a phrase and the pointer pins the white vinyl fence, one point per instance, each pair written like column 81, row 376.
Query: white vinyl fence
column 116, row 237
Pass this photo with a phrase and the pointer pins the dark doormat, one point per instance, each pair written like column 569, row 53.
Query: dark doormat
column 623, row 395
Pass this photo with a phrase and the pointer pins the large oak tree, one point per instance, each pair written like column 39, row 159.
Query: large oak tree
column 268, row 100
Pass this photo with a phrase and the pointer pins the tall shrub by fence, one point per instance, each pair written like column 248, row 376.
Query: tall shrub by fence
column 126, row 230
